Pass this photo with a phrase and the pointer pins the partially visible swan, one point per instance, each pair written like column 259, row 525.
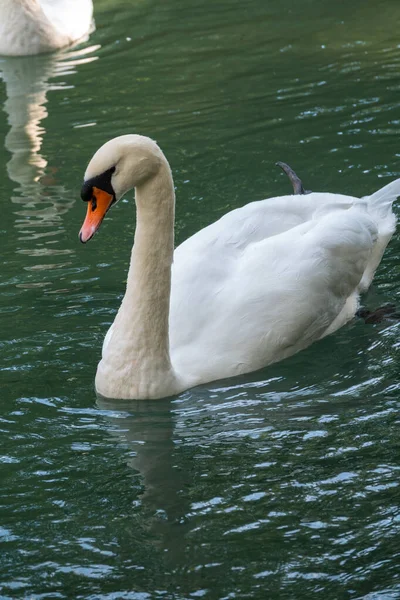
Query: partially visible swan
column 261, row 283
column 37, row 26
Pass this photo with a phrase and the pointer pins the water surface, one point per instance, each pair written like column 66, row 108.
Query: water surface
column 281, row 484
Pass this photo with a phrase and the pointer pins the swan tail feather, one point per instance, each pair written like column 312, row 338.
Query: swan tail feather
column 380, row 202
column 380, row 208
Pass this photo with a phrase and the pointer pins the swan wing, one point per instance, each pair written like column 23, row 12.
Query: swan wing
column 246, row 305
column 205, row 261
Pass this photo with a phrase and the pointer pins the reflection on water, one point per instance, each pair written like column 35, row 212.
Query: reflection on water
column 40, row 195
column 148, row 429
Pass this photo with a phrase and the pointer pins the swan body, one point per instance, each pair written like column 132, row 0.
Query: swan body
column 38, row 26
column 258, row 285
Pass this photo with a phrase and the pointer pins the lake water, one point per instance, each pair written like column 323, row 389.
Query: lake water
column 281, row 484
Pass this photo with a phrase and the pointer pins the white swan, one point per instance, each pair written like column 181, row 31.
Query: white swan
column 260, row 284
column 37, row 26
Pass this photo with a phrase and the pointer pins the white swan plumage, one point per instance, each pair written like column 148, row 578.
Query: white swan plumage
column 258, row 285
column 38, row 26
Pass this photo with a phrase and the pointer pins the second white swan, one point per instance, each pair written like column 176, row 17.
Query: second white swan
column 36, row 26
column 258, row 285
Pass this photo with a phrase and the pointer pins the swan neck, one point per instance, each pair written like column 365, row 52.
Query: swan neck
column 144, row 313
column 149, row 276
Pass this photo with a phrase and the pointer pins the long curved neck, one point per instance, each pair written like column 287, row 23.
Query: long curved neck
column 136, row 362
column 145, row 306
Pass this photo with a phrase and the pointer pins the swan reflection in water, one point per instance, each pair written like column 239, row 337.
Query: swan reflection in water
column 40, row 199
column 147, row 428
column 174, row 445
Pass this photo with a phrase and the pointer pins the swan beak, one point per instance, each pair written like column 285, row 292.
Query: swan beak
column 96, row 211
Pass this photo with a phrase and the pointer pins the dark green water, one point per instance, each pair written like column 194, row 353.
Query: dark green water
column 283, row 484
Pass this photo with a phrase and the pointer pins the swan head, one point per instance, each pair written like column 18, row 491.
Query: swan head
column 121, row 164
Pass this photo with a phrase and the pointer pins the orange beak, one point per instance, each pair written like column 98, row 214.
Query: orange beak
column 96, row 210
